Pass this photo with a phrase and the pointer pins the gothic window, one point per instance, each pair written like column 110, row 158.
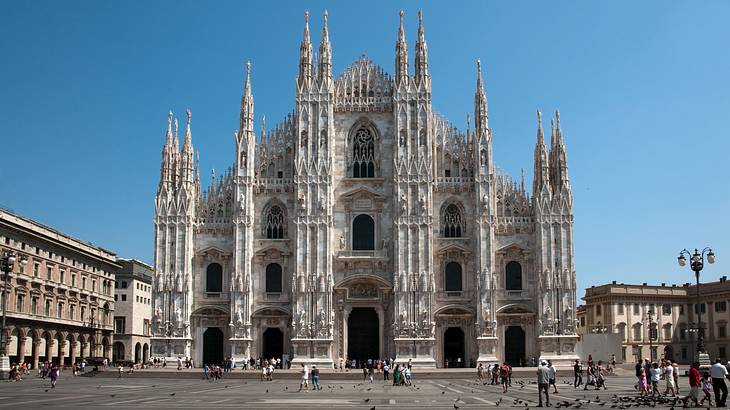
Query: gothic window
column 274, row 223
column 363, row 233
column 422, row 138
column 453, row 277
column 363, row 154
column 513, row 276
column 214, row 278
column 273, row 278
column 452, row 222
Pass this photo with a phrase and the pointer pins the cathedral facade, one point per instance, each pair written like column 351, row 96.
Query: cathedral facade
column 364, row 225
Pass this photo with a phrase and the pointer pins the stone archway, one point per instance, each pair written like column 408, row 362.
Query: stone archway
column 213, row 346
column 118, row 352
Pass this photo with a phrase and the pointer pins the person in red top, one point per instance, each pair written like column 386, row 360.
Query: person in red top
column 695, row 384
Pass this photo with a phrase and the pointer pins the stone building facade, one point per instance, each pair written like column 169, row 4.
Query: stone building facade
column 364, row 225
column 133, row 313
column 61, row 304
column 624, row 309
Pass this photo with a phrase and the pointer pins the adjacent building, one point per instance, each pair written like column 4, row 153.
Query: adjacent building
column 133, row 311
column 628, row 310
column 61, row 303
column 365, row 225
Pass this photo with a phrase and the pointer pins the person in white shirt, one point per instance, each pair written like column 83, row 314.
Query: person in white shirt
column 304, row 373
column 718, row 372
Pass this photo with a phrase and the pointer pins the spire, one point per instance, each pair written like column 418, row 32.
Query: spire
column 522, row 181
column 421, row 50
column 305, row 53
column 263, row 129
column 247, row 103
column 325, row 53
column 188, row 134
column 401, row 54
column 468, row 130
column 168, row 135
column 175, row 143
column 541, row 177
column 558, row 158
column 481, row 118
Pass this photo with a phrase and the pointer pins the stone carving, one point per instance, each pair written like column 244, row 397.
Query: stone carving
column 302, row 202
column 483, row 157
column 343, row 242
column 362, row 291
column 403, row 204
column 422, row 203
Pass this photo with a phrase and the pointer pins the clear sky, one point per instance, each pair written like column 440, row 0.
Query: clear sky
column 642, row 87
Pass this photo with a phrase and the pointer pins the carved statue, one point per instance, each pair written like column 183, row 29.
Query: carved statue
column 403, row 203
column 322, row 203
column 485, row 202
column 422, row 203
column 239, row 318
column 242, row 201
column 243, row 159
column 483, row 156
column 302, row 201
column 178, row 316
column 343, row 242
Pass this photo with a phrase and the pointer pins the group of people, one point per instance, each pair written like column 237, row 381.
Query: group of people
column 649, row 377
column 712, row 380
column 213, row 372
column 595, row 374
column 499, row 374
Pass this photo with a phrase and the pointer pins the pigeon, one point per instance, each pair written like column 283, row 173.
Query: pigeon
column 112, row 395
column 455, row 406
column 46, row 390
column 172, row 394
column 372, row 408
column 226, row 387
column 267, row 390
column 443, row 392
column 367, row 400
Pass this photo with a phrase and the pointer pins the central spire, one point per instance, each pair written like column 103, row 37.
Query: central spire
column 401, row 54
column 481, row 123
column 247, row 104
column 421, row 50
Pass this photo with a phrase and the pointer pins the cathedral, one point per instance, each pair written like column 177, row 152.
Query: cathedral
column 364, row 225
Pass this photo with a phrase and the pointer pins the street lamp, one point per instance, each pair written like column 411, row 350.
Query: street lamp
column 650, row 319
column 697, row 262
column 7, row 264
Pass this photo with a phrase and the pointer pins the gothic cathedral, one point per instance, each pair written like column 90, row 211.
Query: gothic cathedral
column 364, row 225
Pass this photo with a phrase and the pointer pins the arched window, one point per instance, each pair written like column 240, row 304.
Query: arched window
column 363, row 233
column 273, row 278
column 453, row 277
column 513, row 276
column 214, row 278
column 452, row 222
column 363, row 154
column 274, row 223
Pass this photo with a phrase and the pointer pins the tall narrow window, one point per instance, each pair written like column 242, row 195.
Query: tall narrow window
column 274, row 228
column 363, row 233
column 214, row 278
column 363, row 154
column 453, row 277
column 513, row 272
column 273, row 278
column 452, row 222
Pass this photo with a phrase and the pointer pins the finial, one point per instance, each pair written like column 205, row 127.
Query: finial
column 552, row 123
column 176, row 127
column 325, row 17
column 401, row 31
column 479, row 75
column 189, row 115
column 468, row 121
column 169, row 119
column 306, row 25
column 539, row 118
column 212, row 174
column 557, row 118
column 420, row 16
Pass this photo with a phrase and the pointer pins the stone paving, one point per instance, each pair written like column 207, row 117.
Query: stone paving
column 163, row 393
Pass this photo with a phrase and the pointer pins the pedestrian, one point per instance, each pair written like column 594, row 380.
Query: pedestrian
column 706, row 389
column 553, row 375
column 205, row 371
column 315, row 378
column 718, row 372
column 504, row 376
column 370, row 372
column 304, row 373
column 408, row 376
column 480, row 372
column 600, row 377
column 577, row 374
column 121, row 370
column 543, row 381
column 495, row 373
column 656, row 374
column 643, row 384
column 386, row 371
column 53, row 375
column 675, row 374
column 342, row 364
column 695, row 381
column 669, row 379
column 639, row 374
column 397, row 375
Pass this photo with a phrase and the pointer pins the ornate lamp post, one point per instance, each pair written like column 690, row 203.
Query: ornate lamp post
column 697, row 262
column 650, row 316
column 7, row 264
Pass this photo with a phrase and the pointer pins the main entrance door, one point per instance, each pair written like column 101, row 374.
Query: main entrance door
column 454, row 347
column 363, row 338
column 213, row 346
column 514, row 346
column 273, row 347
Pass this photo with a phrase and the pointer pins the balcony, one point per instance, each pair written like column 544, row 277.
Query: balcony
column 212, row 295
column 454, row 295
column 514, row 294
column 362, row 254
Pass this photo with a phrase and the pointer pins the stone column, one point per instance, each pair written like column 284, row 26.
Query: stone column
column 72, row 351
column 49, row 349
column 35, row 347
column 82, row 354
column 21, row 349
column 61, row 352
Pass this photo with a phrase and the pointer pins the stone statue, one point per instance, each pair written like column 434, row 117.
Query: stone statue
column 343, row 242
column 178, row 316
column 302, row 202
column 239, row 318
column 403, row 203
column 483, row 156
column 422, row 203
column 485, row 203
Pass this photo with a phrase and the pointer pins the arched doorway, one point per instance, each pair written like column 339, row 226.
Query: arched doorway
column 514, row 346
column 118, row 352
column 363, row 335
column 213, row 346
column 454, row 347
column 273, row 343
column 137, row 352
column 145, row 353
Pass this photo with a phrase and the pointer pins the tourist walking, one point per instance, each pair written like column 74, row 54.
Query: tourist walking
column 656, row 374
column 706, row 390
column 643, row 383
column 553, row 375
column 386, row 371
column 304, row 373
column 577, row 374
column 53, row 375
column 315, row 378
column 504, row 376
column 695, row 381
column 669, row 378
column 718, row 372
column 480, row 372
column 543, row 381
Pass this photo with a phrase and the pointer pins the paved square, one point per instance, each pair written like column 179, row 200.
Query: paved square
column 165, row 393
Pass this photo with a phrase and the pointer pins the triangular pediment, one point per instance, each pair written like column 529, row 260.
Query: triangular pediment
column 213, row 252
column 453, row 247
column 272, row 252
column 362, row 192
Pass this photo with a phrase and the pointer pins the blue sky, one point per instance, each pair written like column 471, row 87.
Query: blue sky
column 642, row 87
